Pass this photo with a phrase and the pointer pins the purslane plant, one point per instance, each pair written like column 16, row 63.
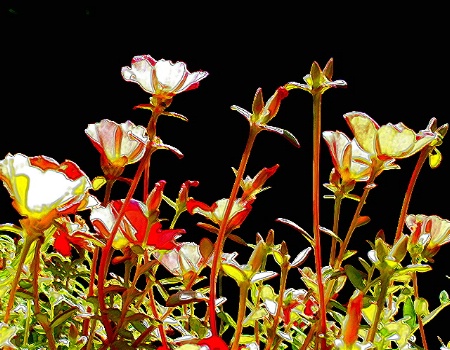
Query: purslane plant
column 80, row 271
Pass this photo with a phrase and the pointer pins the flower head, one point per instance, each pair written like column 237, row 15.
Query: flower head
column 43, row 190
column 216, row 211
column 389, row 141
column 118, row 144
column 262, row 113
column 73, row 233
column 163, row 79
column 140, row 224
column 318, row 80
column 431, row 231
column 182, row 259
column 349, row 159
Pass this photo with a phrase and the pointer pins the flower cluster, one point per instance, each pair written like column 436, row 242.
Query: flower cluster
column 84, row 269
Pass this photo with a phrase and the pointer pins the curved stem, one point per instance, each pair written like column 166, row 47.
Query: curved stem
column 412, row 182
column 223, row 230
column 317, row 134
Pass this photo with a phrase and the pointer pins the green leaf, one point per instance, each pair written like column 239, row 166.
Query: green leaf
column 206, row 248
column 183, row 297
column 355, row 276
column 298, row 228
column 169, row 201
column 43, row 320
column 413, row 268
column 365, row 264
column 286, row 134
column 7, row 333
column 301, row 257
column 62, row 317
column 330, row 233
column 443, row 297
column 409, row 314
column 235, row 273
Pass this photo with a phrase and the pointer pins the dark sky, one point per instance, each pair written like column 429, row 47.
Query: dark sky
column 61, row 71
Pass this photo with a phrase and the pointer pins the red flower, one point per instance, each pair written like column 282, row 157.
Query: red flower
column 136, row 223
column 214, row 343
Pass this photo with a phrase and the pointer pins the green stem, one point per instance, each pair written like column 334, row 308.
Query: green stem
column 92, row 276
column 243, row 292
column 223, row 230
column 28, row 241
column 273, row 331
column 412, row 182
column 26, row 332
column 317, row 135
column 419, row 317
column 353, row 224
column 380, row 304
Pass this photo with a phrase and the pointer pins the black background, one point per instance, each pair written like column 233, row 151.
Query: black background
column 60, row 71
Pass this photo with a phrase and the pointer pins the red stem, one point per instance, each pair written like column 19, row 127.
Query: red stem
column 223, row 230
column 106, row 253
column 317, row 100
column 412, row 182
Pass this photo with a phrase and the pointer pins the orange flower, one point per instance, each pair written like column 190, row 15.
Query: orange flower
column 352, row 320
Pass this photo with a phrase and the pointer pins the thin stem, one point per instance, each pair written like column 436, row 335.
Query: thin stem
column 23, row 255
column 107, row 252
column 317, row 101
column 380, row 303
column 35, row 267
column 419, row 317
column 353, row 224
column 109, row 185
column 94, row 261
column 337, row 211
column 243, row 292
column 223, row 229
column 412, row 182
column 156, row 316
column 283, row 279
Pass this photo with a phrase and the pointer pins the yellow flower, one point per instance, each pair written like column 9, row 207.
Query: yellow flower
column 43, row 190
column 388, row 141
